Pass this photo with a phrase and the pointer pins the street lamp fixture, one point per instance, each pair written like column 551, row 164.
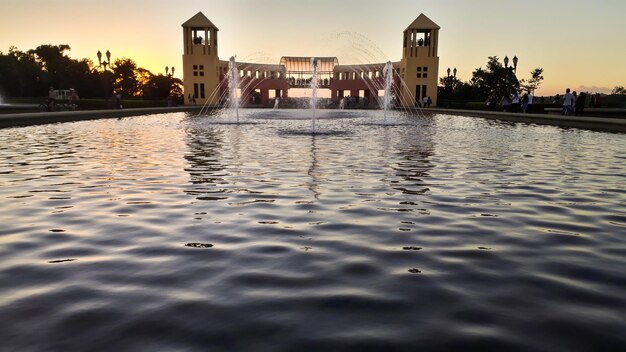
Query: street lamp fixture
column 454, row 71
column 104, row 63
column 506, row 62
column 167, row 69
column 448, row 71
column 515, row 59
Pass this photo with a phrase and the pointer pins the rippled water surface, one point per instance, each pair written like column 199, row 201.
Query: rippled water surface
column 171, row 232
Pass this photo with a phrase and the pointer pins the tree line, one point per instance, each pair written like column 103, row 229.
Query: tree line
column 31, row 73
column 496, row 80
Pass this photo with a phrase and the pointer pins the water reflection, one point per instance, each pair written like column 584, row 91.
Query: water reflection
column 414, row 164
column 373, row 223
column 206, row 172
column 313, row 182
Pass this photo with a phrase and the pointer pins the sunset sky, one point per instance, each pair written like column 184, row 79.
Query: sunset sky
column 580, row 44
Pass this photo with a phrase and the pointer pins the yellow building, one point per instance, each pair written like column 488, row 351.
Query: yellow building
column 205, row 76
column 200, row 59
column 419, row 68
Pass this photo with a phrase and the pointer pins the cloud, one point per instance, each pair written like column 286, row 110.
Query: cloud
column 593, row 89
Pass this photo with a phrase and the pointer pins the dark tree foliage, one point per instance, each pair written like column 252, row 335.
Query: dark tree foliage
column 496, row 80
column 159, row 86
column 453, row 89
column 31, row 73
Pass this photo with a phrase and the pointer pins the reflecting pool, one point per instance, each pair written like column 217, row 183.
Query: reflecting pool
column 176, row 232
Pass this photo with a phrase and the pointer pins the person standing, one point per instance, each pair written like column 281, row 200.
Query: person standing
column 580, row 104
column 506, row 103
column 515, row 102
column 73, row 99
column 52, row 99
column 529, row 102
column 597, row 101
column 568, row 102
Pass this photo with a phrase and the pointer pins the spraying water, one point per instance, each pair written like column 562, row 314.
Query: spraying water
column 276, row 102
column 314, row 87
column 233, row 84
column 388, row 73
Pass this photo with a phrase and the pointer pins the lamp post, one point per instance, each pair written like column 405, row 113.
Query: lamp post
column 104, row 63
column 515, row 60
column 448, row 71
column 107, row 79
column 454, row 71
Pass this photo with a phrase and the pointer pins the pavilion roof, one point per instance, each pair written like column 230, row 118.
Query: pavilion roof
column 303, row 63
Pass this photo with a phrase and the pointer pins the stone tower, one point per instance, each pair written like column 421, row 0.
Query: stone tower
column 200, row 59
column 419, row 67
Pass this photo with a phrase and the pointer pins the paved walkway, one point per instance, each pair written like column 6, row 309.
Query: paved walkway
column 39, row 118
column 591, row 123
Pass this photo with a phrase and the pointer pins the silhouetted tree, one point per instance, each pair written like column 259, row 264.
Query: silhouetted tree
column 618, row 90
column 125, row 80
column 495, row 80
column 20, row 74
column 534, row 81
column 30, row 73
column 452, row 88
column 162, row 86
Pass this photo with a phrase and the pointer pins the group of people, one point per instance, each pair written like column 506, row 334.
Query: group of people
column 426, row 101
column 572, row 103
column 575, row 103
column 52, row 101
column 514, row 102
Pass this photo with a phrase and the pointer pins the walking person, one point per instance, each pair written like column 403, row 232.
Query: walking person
column 568, row 102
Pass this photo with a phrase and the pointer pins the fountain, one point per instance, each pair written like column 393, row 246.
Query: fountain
column 276, row 102
column 233, row 84
column 388, row 74
column 314, row 87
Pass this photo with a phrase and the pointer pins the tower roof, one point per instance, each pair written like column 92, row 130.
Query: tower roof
column 199, row 20
column 422, row 22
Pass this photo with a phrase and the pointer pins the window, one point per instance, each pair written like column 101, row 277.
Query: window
column 201, row 90
column 422, row 72
column 198, row 71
